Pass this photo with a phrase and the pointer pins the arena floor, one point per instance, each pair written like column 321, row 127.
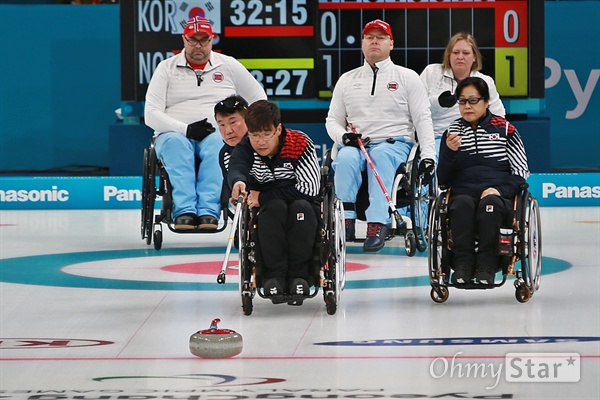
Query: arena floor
column 89, row 311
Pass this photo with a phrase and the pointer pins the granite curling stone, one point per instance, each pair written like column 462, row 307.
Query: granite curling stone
column 216, row 343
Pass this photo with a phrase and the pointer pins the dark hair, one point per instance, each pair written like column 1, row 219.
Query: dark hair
column 262, row 115
column 477, row 83
column 231, row 105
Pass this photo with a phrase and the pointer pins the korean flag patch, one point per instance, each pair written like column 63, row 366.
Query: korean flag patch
column 300, row 217
column 489, row 208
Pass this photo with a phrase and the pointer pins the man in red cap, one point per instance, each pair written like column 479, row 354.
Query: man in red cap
column 179, row 107
column 385, row 105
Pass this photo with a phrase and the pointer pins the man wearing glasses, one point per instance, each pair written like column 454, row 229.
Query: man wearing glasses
column 385, row 104
column 180, row 108
column 277, row 170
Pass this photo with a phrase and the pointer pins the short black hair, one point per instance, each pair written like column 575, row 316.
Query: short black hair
column 475, row 81
column 262, row 115
column 231, row 105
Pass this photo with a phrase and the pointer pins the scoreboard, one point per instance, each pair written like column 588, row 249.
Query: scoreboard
column 297, row 49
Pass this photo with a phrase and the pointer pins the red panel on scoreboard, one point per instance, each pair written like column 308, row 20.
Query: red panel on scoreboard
column 512, row 24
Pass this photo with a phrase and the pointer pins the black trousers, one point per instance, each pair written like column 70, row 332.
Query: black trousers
column 286, row 236
column 480, row 219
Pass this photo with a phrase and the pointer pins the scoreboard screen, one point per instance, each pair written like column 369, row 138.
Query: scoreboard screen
column 297, row 49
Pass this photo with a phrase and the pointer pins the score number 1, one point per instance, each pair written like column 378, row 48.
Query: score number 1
column 512, row 59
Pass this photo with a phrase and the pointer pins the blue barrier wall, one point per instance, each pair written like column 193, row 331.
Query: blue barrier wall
column 59, row 84
column 572, row 83
column 59, row 88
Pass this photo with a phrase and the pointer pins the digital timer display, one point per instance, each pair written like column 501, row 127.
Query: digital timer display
column 297, row 49
column 274, row 40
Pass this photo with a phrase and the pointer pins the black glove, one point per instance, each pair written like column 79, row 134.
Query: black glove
column 351, row 139
column 199, row 130
column 447, row 99
column 426, row 170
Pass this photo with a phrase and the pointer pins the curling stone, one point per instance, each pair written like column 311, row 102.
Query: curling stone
column 216, row 343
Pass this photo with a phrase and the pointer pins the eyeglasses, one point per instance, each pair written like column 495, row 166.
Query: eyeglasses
column 194, row 42
column 378, row 37
column 472, row 101
column 230, row 106
column 256, row 137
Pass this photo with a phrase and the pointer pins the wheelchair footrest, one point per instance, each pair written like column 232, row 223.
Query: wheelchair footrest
column 475, row 286
column 292, row 300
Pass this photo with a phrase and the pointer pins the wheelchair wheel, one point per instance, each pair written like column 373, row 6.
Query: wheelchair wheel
column 439, row 294
column 434, row 238
column 246, row 264
column 438, row 280
column 422, row 199
column 522, row 292
column 148, row 194
column 336, row 263
column 531, row 243
column 333, row 233
column 247, row 304
column 158, row 238
column 410, row 243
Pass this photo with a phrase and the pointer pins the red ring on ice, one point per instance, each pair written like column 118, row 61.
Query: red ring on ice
column 214, row 267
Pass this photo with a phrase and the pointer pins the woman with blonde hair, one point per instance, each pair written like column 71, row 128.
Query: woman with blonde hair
column 461, row 60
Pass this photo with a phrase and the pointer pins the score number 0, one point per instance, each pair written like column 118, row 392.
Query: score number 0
column 511, row 61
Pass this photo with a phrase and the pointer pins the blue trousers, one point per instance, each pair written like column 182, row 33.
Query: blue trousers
column 192, row 193
column 348, row 166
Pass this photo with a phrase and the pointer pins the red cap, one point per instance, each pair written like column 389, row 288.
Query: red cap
column 198, row 25
column 379, row 24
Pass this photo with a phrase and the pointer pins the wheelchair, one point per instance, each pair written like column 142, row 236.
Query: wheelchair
column 519, row 248
column 156, row 182
column 409, row 193
column 328, row 264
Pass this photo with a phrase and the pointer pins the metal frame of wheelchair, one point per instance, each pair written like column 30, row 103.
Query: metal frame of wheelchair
column 329, row 255
column 407, row 191
column 156, row 182
column 523, row 247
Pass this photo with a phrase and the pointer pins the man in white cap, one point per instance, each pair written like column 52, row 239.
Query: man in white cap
column 385, row 105
column 179, row 107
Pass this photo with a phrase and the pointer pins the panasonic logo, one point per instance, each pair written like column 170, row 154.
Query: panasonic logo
column 569, row 192
column 112, row 192
column 22, row 196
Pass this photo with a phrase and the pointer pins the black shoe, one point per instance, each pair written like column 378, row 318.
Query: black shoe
column 462, row 274
column 207, row 223
column 185, row 221
column 298, row 286
column 485, row 275
column 274, row 286
column 376, row 234
column 350, row 230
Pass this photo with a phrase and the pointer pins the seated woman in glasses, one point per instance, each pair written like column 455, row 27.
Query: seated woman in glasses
column 277, row 171
column 482, row 159
column 229, row 115
column 462, row 59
